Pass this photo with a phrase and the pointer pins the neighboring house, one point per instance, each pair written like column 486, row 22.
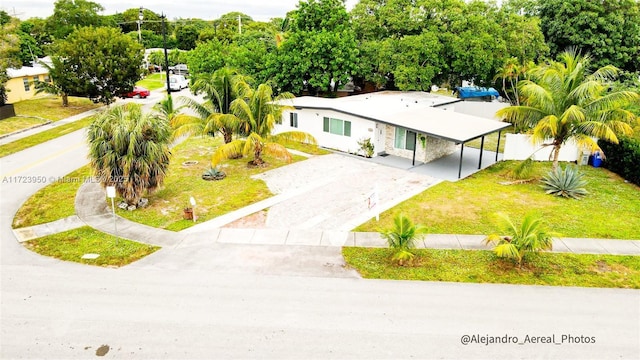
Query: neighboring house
column 21, row 85
column 415, row 125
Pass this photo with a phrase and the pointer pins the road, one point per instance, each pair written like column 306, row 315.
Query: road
column 162, row 310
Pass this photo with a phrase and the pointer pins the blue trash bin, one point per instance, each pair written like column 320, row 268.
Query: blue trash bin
column 597, row 159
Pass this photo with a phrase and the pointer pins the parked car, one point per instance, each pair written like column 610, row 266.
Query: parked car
column 139, row 91
column 180, row 69
column 178, row 82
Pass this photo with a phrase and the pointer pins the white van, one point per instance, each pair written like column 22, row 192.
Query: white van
column 178, row 82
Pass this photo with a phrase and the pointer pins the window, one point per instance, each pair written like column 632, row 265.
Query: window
column 25, row 81
column 293, row 120
column 337, row 126
column 47, row 79
column 405, row 139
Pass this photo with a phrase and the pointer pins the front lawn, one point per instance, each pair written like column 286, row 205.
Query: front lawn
column 73, row 244
column 50, row 107
column 53, row 202
column 17, row 123
column 154, row 81
column 213, row 198
column 610, row 210
column 481, row 266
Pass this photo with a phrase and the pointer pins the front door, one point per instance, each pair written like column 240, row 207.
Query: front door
column 379, row 138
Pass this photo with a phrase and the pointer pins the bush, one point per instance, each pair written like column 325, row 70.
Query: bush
column 623, row 158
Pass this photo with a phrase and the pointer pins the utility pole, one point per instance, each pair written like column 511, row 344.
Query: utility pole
column 239, row 25
column 166, row 57
column 140, row 17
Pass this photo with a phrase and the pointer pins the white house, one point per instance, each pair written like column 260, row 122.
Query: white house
column 415, row 125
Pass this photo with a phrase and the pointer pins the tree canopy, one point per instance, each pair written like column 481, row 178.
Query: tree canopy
column 99, row 63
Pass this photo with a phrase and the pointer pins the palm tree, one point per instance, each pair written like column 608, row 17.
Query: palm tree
column 129, row 150
column 257, row 118
column 401, row 237
column 59, row 82
column 513, row 72
column 530, row 236
column 563, row 101
column 220, row 89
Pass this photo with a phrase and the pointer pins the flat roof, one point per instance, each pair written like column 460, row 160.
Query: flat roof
column 413, row 110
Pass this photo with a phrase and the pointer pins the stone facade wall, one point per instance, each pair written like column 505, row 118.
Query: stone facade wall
column 434, row 148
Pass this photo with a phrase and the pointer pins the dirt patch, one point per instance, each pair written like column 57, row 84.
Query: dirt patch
column 257, row 220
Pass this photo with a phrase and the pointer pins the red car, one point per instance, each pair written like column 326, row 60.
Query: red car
column 138, row 91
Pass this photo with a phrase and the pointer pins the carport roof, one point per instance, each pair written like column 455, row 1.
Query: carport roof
column 411, row 110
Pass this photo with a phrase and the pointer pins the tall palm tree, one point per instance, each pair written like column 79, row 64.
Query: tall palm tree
column 257, row 116
column 220, row 89
column 564, row 100
column 129, row 150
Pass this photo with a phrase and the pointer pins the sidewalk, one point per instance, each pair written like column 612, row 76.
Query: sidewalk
column 92, row 210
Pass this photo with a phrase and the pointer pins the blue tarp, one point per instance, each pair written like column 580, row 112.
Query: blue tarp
column 471, row 92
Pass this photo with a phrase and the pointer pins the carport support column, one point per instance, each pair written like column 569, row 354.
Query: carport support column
column 498, row 147
column 481, row 150
column 460, row 165
column 415, row 145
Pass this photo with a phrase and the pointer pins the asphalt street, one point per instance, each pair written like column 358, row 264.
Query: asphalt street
column 237, row 309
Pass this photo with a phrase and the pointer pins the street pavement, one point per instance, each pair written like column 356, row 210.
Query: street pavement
column 200, row 298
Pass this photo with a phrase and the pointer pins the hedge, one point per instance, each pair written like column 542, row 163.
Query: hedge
column 623, row 158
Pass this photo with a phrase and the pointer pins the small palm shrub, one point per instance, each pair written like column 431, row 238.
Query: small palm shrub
column 523, row 170
column 567, row 183
column 401, row 238
column 530, row 236
column 213, row 174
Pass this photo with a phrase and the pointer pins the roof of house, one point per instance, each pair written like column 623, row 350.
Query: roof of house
column 418, row 111
column 36, row 69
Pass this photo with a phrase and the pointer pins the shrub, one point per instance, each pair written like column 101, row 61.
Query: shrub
column 623, row 158
column 401, row 238
column 566, row 183
column 530, row 236
column 366, row 146
column 213, row 174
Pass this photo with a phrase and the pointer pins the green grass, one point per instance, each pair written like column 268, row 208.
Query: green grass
column 72, row 245
column 17, row 123
column 39, row 138
column 306, row 148
column 214, row 198
column 555, row 269
column 468, row 206
column 53, row 202
column 50, row 107
column 153, row 81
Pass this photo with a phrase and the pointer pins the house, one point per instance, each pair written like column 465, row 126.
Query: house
column 416, row 125
column 20, row 85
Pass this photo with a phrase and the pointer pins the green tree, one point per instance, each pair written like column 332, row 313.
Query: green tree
column 530, row 236
column 320, row 48
column 71, row 14
column 207, row 57
column 129, row 150
column 9, row 50
column 100, row 63
column 258, row 114
column 61, row 83
column 401, row 238
column 564, row 101
column 186, row 36
column 608, row 30
column 220, row 89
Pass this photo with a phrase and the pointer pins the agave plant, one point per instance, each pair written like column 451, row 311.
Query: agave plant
column 401, row 238
column 213, row 174
column 567, row 183
column 530, row 236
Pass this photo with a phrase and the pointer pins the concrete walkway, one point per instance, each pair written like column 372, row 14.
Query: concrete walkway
column 92, row 210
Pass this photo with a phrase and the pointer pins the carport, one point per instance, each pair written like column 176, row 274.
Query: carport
column 449, row 125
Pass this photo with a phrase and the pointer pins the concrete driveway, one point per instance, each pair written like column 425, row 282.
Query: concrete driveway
column 337, row 191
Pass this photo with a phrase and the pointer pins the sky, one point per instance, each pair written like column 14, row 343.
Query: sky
column 259, row 10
